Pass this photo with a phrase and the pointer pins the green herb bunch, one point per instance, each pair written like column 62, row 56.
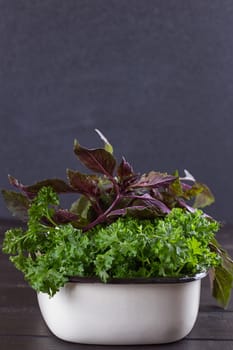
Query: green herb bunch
column 49, row 254
column 122, row 225
column 174, row 247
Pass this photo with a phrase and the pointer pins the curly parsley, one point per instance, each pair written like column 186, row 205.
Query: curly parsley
column 49, row 254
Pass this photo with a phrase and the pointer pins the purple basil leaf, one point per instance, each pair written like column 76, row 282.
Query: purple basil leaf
column 81, row 183
column 63, row 216
column 98, row 160
column 154, row 179
column 183, row 204
column 125, row 211
column 16, row 183
column 149, row 201
column 124, row 170
column 137, row 211
column 57, row 185
column 17, row 204
column 185, row 187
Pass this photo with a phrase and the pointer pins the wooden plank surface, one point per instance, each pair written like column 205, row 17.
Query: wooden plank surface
column 22, row 327
column 52, row 343
column 28, row 321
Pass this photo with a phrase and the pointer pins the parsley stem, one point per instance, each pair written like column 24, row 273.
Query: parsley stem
column 50, row 218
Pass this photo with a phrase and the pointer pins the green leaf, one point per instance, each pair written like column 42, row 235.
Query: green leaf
column 47, row 254
column 204, row 197
column 172, row 246
column 107, row 145
column 222, row 276
column 222, row 285
column 13, row 241
column 176, row 186
column 83, row 208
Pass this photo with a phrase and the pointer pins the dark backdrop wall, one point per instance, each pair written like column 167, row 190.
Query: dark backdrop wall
column 156, row 77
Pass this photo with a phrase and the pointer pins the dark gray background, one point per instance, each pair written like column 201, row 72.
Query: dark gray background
column 154, row 76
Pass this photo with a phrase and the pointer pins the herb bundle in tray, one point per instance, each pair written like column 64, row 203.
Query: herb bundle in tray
column 122, row 225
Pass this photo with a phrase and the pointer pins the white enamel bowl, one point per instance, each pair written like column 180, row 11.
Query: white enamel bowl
column 160, row 311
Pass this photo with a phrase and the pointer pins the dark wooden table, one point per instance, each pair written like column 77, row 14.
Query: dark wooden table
column 22, row 327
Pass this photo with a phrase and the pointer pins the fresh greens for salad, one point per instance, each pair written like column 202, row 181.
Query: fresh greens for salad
column 48, row 254
column 122, row 225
